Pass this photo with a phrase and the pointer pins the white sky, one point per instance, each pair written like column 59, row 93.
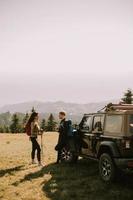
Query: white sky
column 71, row 50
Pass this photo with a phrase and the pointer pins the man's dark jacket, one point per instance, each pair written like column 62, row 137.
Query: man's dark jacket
column 62, row 140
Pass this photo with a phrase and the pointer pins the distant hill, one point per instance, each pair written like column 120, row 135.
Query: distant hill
column 53, row 107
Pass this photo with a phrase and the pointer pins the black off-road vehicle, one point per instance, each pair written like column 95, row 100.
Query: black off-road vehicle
column 106, row 136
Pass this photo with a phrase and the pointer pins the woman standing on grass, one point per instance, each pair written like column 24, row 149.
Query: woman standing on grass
column 34, row 128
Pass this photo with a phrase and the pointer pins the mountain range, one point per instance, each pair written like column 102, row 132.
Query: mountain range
column 54, row 107
column 74, row 111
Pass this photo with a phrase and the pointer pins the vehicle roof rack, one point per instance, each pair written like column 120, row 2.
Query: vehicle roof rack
column 120, row 106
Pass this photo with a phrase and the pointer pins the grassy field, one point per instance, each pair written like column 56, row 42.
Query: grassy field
column 19, row 180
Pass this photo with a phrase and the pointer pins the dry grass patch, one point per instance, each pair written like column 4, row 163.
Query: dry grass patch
column 21, row 181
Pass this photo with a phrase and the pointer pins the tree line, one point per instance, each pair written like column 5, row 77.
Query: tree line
column 18, row 122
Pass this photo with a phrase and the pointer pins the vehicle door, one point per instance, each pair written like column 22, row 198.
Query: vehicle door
column 85, row 131
column 97, row 131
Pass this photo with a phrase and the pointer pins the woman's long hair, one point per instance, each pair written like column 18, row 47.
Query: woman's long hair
column 32, row 117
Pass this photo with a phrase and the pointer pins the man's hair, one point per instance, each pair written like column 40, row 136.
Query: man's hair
column 62, row 113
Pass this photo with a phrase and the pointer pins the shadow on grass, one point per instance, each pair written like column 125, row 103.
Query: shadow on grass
column 80, row 182
column 10, row 171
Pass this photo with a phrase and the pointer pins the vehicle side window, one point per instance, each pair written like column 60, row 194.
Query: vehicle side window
column 98, row 123
column 86, row 122
column 113, row 123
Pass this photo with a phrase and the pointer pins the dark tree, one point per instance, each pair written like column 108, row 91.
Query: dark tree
column 33, row 109
column 128, row 97
column 43, row 124
column 25, row 119
column 51, row 124
column 15, row 126
column 1, row 130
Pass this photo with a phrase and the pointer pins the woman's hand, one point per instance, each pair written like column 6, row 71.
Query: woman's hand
column 40, row 132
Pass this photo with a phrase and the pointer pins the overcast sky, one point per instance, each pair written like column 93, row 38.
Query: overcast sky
column 71, row 50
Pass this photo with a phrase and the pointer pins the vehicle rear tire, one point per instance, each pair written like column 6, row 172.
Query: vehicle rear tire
column 68, row 156
column 107, row 168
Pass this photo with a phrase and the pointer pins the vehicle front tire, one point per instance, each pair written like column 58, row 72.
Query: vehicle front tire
column 107, row 168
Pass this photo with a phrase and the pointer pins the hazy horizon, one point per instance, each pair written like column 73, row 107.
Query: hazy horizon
column 34, row 101
column 74, row 51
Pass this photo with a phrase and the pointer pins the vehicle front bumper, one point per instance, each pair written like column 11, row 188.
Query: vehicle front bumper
column 124, row 163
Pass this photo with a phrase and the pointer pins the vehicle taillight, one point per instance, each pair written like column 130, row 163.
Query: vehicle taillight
column 125, row 144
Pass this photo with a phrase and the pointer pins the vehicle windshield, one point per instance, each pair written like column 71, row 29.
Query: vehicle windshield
column 131, row 123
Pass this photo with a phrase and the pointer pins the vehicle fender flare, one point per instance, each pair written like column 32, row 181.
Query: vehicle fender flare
column 111, row 146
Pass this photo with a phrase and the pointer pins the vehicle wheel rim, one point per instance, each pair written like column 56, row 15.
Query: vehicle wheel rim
column 66, row 155
column 106, row 168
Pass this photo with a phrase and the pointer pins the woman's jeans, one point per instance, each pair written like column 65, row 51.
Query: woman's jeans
column 35, row 146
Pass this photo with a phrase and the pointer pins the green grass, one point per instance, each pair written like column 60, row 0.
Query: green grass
column 19, row 180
